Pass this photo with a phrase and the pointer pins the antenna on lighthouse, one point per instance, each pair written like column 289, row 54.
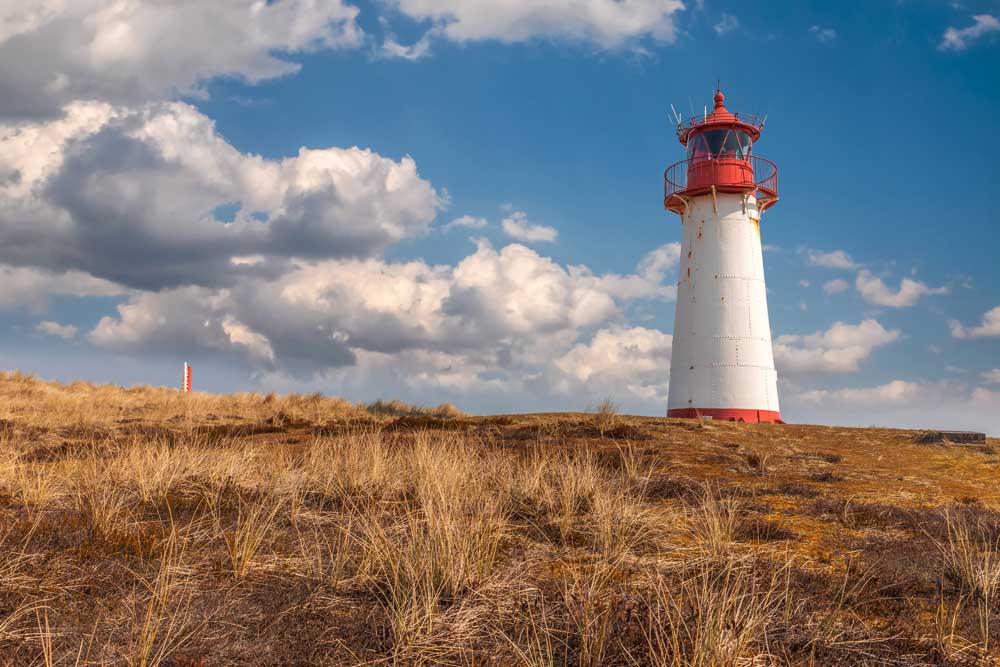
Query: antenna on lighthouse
column 677, row 116
column 763, row 121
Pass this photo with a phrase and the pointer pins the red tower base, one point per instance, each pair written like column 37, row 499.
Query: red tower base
column 729, row 414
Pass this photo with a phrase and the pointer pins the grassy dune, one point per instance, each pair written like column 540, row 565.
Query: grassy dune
column 145, row 527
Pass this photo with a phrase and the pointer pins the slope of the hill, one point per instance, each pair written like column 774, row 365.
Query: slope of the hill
column 148, row 527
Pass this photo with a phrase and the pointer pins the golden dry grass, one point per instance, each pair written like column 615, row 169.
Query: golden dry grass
column 145, row 527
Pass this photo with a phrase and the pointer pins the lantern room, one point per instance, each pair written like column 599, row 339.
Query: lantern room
column 720, row 159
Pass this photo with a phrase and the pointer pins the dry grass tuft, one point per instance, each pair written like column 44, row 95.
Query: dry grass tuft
column 254, row 523
column 396, row 408
column 712, row 524
column 970, row 556
column 717, row 612
column 605, row 414
column 757, row 462
column 165, row 623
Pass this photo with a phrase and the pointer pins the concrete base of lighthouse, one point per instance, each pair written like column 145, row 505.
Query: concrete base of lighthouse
column 722, row 364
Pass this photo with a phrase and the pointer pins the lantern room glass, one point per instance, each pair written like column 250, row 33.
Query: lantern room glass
column 715, row 144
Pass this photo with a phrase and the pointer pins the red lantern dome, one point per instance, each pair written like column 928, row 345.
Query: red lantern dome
column 719, row 159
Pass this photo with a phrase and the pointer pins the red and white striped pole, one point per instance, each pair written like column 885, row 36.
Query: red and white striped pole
column 186, row 384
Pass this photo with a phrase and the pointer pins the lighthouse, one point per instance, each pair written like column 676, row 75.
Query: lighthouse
column 722, row 364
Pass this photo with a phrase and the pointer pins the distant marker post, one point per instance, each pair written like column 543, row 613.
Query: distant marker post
column 186, row 382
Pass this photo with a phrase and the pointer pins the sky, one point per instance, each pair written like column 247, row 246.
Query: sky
column 461, row 200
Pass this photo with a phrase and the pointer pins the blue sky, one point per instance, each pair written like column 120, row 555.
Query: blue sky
column 157, row 207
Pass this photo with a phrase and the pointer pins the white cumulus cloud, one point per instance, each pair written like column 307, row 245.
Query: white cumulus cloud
column 508, row 311
column 392, row 48
column 50, row 328
column 646, row 283
column 835, row 286
column 468, row 222
column 838, row 259
column 517, row 227
column 873, row 290
column 634, row 360
column 839, row 349
column 240, row 335
column 606, row 24
column 32, row 288
column 131, row 195
column 133, row 51
column 897, row 392
column 959, row 39
column 989, row 327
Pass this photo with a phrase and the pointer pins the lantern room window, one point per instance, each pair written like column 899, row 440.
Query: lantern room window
column 714, row 144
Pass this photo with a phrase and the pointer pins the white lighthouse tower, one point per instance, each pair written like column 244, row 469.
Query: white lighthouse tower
column 722, row 365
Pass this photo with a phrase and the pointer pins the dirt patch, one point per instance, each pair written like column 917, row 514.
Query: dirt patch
column 756, row 529
column 791, row 488
column 668, row 487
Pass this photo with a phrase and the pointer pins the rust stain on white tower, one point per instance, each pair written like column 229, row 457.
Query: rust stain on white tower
column 722, row 364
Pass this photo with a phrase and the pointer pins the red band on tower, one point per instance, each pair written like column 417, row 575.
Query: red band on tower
column 728, row 414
